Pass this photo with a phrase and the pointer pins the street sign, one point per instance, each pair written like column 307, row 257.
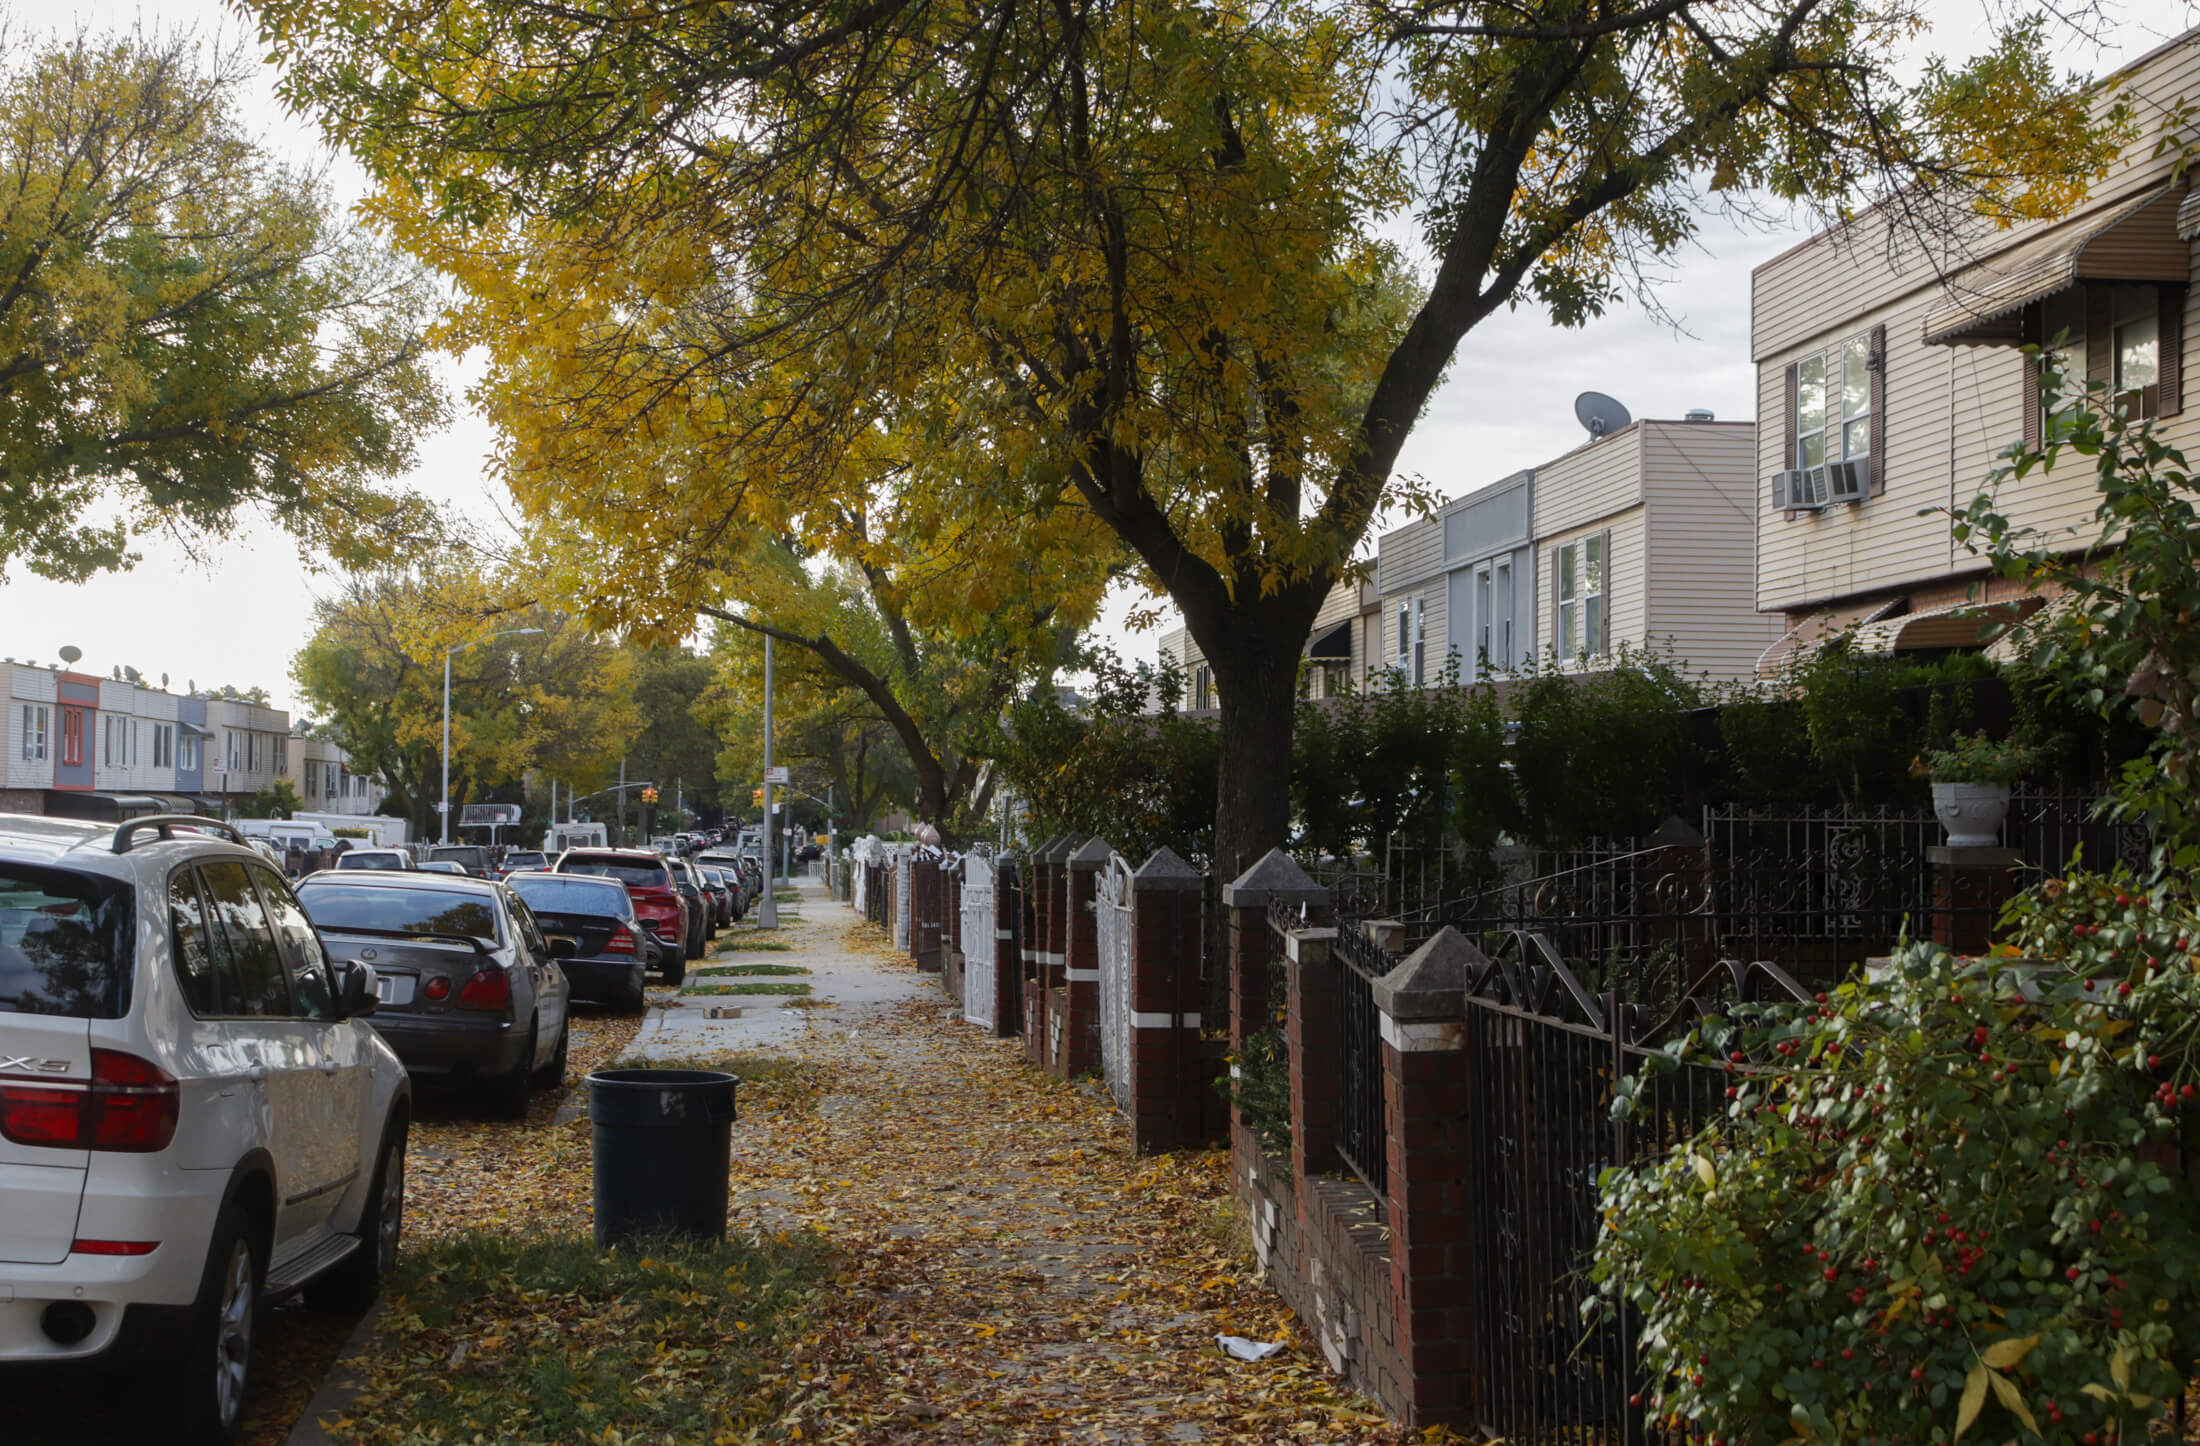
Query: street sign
column 484, row 815
column 777, row 773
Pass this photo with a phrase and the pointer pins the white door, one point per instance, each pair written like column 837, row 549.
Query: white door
column 335, row 1091
column 981, row 994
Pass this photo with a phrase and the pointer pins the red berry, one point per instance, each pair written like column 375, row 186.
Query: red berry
column 2072, row 1272
column 2124, row 988
column 1830, row 1272
column 1917, row 1373
column 1848, row 1353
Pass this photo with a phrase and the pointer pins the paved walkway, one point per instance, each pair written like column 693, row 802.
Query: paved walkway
column 1010, row 1272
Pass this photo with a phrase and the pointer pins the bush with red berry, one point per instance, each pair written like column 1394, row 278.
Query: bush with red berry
column 1944, row 1200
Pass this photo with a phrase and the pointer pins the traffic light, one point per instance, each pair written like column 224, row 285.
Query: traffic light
column 756, row 796
column 649, row 795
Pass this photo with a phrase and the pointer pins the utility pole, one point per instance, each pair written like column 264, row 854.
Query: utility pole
column 769, row 919
column 830, row 838
column 622, row 803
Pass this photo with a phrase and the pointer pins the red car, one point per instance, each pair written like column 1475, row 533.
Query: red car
column 657, row 899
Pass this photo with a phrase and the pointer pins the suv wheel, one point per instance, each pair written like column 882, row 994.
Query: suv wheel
column 206, row 1393
column 353, row 1285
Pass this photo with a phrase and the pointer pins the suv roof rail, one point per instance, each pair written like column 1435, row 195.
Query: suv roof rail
column 167, row 823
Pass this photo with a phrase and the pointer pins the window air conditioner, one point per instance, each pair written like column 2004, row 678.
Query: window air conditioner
column 1802, row 489
column 1848, row 481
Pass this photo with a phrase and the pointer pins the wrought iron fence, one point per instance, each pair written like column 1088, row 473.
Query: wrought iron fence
column 2058, row 831
column 1360, row 1134
column 1545, row 1056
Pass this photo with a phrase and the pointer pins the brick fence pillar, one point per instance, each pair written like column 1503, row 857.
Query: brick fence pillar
column 1081, row 958
column 1054, row 1047
column 1275, row 879
column 1168, row 1083
column 1311, row 1028
column 1970, row 885
column 1007, row 946
column 1422, row 1005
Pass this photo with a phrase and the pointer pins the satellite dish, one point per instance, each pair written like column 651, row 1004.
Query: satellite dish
column 1600, row 414
column 70, row 654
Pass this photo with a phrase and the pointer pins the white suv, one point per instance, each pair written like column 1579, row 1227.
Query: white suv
column 195, row 1116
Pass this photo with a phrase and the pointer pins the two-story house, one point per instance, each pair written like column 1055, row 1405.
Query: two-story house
column 27, row 733
column 1643, row 537
column 1891, row 379
column 250, row 749
column 136, row 744
column 323, row 777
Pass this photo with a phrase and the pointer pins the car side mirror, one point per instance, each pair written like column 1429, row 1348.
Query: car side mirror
column 564, row 948
column 359, row 994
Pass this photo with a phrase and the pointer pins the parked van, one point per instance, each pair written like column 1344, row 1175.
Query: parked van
column 282, row 833
column 563, row 836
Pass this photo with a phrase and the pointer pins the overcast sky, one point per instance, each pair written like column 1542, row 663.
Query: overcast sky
column 1507, row 404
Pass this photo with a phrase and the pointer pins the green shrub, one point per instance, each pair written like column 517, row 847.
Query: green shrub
column 1934, row 1197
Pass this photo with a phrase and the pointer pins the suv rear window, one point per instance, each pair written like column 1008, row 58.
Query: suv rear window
column 640, row 875
column 399, row 911
column 564, row 894
column 64, row 943
column 472, row 856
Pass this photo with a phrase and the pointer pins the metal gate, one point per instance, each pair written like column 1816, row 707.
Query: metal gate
column 1111, row 909
column 980, row 943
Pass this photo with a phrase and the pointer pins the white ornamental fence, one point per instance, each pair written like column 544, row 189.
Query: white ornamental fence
column 1111, row 909
column 905, row 863
column 979, row 935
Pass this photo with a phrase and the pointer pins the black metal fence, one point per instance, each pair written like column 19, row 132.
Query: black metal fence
column 1360, row 1134
column 1544, row 1057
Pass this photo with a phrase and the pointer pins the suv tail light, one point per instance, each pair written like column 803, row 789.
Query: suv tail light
column 621, row 940
column 490, row 989
column 130, row 1106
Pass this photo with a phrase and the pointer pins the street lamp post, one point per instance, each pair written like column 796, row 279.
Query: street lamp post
column 444, row 807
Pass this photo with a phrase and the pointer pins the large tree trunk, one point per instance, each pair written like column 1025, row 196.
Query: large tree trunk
column 1255, row 656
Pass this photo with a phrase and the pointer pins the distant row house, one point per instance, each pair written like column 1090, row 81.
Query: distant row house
column 1891, row 377
column 1641, row 539
column 82, row 746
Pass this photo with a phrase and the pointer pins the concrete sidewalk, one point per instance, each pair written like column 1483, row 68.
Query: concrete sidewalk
column 848, row 991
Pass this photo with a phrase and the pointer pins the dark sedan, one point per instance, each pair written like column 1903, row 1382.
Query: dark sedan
column 469, row 990
column 610, row 954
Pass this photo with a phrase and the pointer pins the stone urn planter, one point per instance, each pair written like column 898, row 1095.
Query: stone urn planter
column 1971, row 812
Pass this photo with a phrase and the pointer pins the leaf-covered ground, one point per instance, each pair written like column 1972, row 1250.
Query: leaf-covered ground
column 1008, row 1270
column 931, row 1241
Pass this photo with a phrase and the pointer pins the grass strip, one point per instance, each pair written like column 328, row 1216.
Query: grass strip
column 760, row 986
column 750, row 969
column 743, row 946
column 547, row 1340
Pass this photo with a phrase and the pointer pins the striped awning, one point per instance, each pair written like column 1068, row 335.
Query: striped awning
column 1960, row 625
column 1821, row 628
column 2134, row 240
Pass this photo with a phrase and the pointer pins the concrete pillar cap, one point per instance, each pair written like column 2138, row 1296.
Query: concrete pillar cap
column 1431, row 982
column 1095, row 854
column 1166, row 872
column 1277, row 877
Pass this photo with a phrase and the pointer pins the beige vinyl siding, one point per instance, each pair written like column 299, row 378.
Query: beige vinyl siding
column 1860, row 267
column 1626, row 579
column 1700, row 542
column 1409, row 563
column 1951, row 411
column 1590, row 482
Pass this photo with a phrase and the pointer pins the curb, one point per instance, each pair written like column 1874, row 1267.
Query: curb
column 338, row 1389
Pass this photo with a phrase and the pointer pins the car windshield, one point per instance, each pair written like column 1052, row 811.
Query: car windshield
column 370, row 861
column 523, row 860
column 634, row 872
column 564, row 894
column 400, row 911
column 64, row 943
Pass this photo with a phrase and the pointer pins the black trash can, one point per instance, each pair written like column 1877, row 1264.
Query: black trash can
column 662, row 1138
